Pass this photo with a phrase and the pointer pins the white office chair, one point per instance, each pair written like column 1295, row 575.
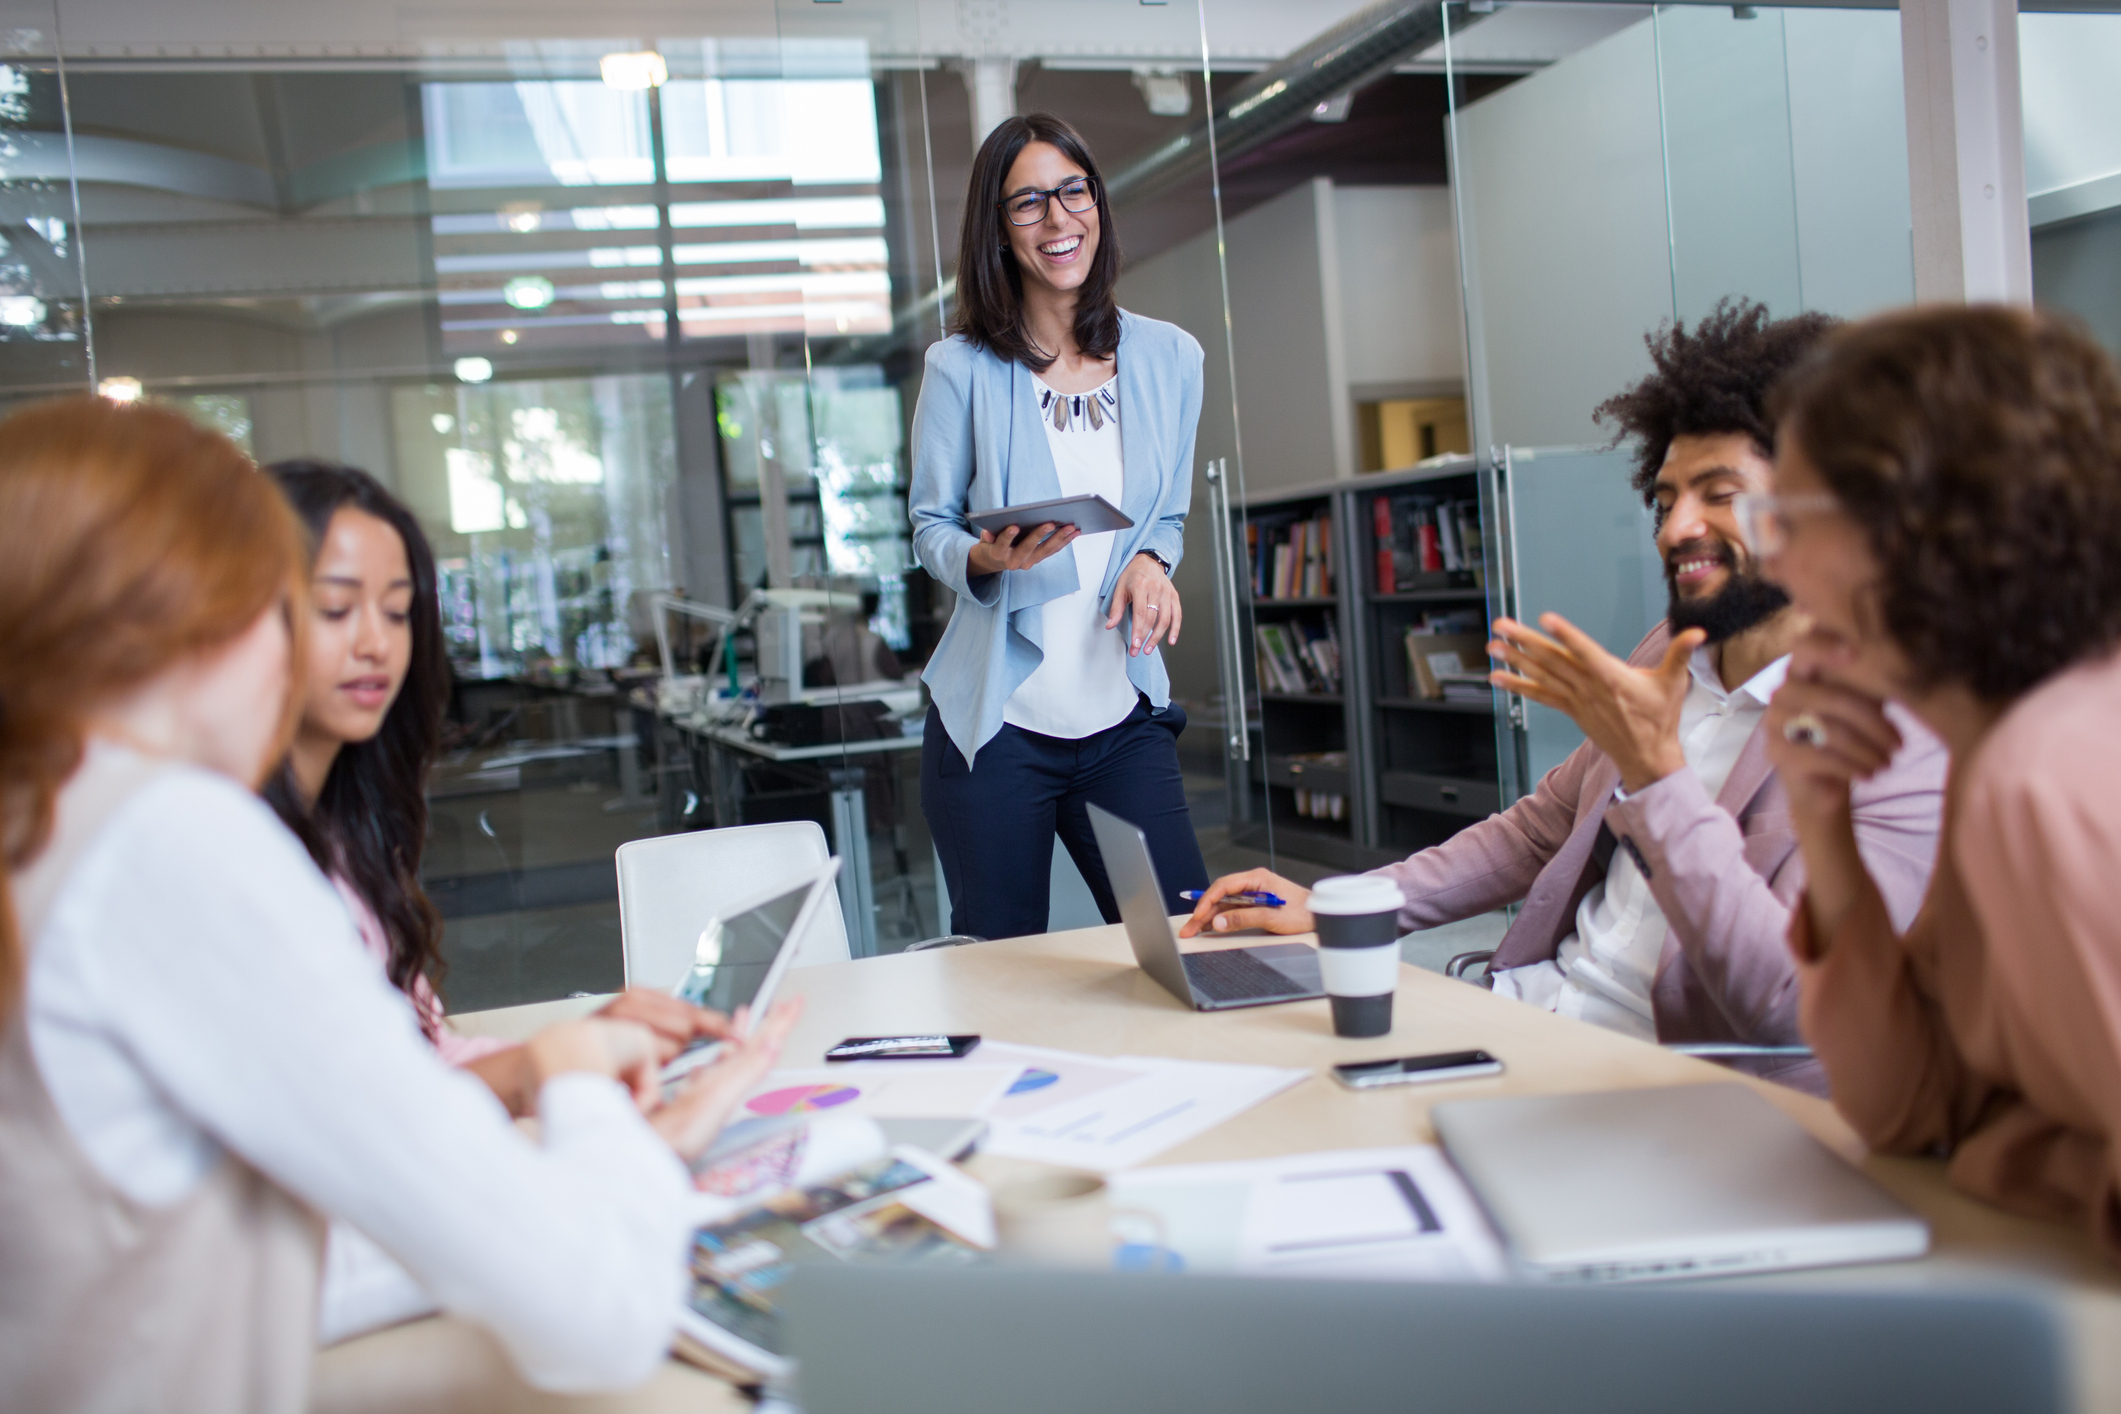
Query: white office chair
column 669, row 886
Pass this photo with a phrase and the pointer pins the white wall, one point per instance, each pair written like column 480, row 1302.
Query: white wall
column 1785, row 141
column 1400, row 311
column 1330, row 288
column 1562, row 178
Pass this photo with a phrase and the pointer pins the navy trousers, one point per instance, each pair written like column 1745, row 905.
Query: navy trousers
column 994, row 824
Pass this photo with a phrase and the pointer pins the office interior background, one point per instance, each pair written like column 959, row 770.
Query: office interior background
column 630, row 301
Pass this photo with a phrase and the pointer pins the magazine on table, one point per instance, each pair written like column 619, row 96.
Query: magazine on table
column 883, row 1203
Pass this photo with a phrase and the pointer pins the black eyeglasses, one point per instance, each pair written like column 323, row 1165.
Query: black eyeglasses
column 1028, row 208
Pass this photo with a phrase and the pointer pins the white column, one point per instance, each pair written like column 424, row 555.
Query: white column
column 993, row 85
column 1966, row 151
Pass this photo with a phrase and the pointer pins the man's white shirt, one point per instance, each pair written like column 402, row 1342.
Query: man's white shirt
column 1603, row 971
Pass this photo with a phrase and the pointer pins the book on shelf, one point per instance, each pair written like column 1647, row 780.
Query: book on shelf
column 1291, row 559
column 1447, row 666
column 1426, row 542
column 1299, row 656
column 1319, row 804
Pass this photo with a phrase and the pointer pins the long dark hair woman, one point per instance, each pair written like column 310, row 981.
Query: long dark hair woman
column 354, row 785
column 1050, row 693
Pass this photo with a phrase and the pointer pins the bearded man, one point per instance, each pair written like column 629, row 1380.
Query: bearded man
column 1656, row 866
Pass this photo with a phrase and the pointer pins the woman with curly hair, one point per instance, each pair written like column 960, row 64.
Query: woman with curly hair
column 1947, row 507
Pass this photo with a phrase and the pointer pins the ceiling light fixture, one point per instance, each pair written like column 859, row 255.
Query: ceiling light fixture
column 474, row 370
column 644, row 69
column 508, row 336
column 1334, row 109
column 1167, row 93
column 120, row 390
column 523, row 222
column 528, row 292
column 22, row 311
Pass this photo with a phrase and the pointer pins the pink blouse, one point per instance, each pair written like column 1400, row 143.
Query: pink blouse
column 454, row 1049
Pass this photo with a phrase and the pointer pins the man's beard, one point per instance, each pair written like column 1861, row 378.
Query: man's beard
column 1744, row 601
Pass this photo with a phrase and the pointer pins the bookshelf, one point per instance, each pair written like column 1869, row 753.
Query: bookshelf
column 1337, row 710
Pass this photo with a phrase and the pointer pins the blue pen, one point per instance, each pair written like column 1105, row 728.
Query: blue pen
column 1236, row 900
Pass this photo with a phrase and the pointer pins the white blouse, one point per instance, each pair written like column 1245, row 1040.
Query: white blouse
column 1081, row 686
column 199, row 985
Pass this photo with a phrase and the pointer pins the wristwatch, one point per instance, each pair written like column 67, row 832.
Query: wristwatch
column 1161, row 562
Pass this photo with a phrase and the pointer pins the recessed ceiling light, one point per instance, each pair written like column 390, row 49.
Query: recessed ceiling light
column 644, row 69
column 120, row 390
column 21, row 311
column 528, row 292
column 508, row 336
column 474, row 370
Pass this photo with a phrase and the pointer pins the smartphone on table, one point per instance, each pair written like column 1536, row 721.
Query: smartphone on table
column 1416, row 1070
column 926, row 1047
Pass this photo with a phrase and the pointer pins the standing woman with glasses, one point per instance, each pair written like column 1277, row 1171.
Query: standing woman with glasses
column 1050, row 694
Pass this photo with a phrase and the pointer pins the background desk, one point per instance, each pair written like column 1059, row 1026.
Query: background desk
column 1081, row 991
column 715, row 754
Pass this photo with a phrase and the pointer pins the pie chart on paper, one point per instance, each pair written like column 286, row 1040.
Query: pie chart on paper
column 802, row 1099
column 1033, row 1078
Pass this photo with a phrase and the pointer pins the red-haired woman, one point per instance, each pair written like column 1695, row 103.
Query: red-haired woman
column 196, row 1057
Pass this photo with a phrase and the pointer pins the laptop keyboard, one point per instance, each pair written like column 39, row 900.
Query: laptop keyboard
column 1234, row 975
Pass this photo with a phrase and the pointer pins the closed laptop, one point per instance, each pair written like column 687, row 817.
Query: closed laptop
column 1681, row 1181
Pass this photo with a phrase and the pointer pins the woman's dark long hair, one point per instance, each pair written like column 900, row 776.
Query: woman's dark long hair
column 369, row 823
column 990, row 285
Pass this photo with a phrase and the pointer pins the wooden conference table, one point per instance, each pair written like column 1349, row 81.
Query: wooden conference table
column 1081, row 991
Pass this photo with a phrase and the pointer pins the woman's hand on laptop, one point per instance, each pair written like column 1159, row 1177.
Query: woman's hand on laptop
column 691, row 1119
column 1211, row 913
column 675, row 1024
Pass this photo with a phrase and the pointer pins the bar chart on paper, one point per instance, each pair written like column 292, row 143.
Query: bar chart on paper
column 1400, row 1214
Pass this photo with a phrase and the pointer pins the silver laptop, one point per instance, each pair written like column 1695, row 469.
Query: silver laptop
column 1680, row 1181
column 1206, row 981
column 975, row 1340
column 743, row 954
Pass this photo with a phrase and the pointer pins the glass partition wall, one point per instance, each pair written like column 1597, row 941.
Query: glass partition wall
column 1699, row 153
column 636, row 325
column 636, row 322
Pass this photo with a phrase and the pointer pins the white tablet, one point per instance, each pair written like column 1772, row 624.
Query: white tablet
column 744, row 953
column 1093, row 515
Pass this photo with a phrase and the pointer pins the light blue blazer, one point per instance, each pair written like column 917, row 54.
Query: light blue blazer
column 978, row 445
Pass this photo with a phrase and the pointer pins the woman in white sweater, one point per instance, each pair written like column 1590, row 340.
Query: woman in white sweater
column 197, row 1059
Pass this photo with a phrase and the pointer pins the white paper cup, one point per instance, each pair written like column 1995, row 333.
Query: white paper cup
column 1358, row 950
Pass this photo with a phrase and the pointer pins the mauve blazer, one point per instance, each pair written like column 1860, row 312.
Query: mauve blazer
column 1726, row 873
column 1989, row 1029
column 978, row 445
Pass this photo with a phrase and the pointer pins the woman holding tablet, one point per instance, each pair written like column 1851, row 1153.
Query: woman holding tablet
column 1048, row 687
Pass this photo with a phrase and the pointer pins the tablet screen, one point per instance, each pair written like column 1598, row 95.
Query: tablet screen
column 736, row 953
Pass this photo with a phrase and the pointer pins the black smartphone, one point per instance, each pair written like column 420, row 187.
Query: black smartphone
column 1414, row 1070
column 856, row 1048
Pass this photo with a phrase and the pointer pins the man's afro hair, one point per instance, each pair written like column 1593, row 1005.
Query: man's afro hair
column 1711, row 381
